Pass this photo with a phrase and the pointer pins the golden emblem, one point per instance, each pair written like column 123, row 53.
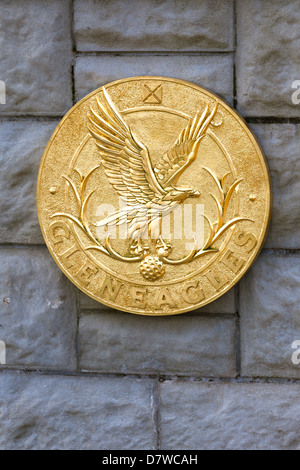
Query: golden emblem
column 153, row 196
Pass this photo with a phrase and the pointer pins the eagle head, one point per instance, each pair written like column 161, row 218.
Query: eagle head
column 180, row 194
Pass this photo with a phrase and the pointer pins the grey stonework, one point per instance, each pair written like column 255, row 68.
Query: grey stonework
column 36, row 52
column 230, row 416
column 280, row 143
column 47, row 412
column 94, row 71
column 153, row 25
column 270, row 316
column 125, row 343
column 22, row 144
column 80, row 375
column 37, row 310
column 268, row 42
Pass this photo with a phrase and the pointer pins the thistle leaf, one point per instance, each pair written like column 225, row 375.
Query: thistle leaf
column 216, row 181
column 79, row 174
column 225, row 227
column 98, row 248
column 220, row 213
column 70, row 217
column 78, row 200
column 211, row 234
column 224, row 178
column 228, row 196
column 86, row 178
column 83, row 209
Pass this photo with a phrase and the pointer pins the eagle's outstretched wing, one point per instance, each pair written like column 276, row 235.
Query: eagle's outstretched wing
column 126, row 161
column 184, row 151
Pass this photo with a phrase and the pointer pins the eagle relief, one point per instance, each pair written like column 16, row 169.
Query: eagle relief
column 153, row 192
column 150, row 193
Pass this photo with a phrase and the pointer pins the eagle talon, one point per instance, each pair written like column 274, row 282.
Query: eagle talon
column 136, row 248
column 163, row 249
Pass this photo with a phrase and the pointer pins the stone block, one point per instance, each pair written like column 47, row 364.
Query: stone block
column 37, row 310
column 153, row 25
column 22, row 147
column 36, row 53
column 237, row 416
column 180, row 345
column 270, row 316
column 281, row 143
column 268, row 43
column 41, row 412
column 214, row 72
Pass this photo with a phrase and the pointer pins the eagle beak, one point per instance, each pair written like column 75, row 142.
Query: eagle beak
column 196, row 193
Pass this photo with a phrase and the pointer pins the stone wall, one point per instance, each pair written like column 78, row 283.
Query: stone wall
column 79, row 375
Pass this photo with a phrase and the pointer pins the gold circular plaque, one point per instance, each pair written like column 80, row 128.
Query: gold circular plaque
column 153, row 196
